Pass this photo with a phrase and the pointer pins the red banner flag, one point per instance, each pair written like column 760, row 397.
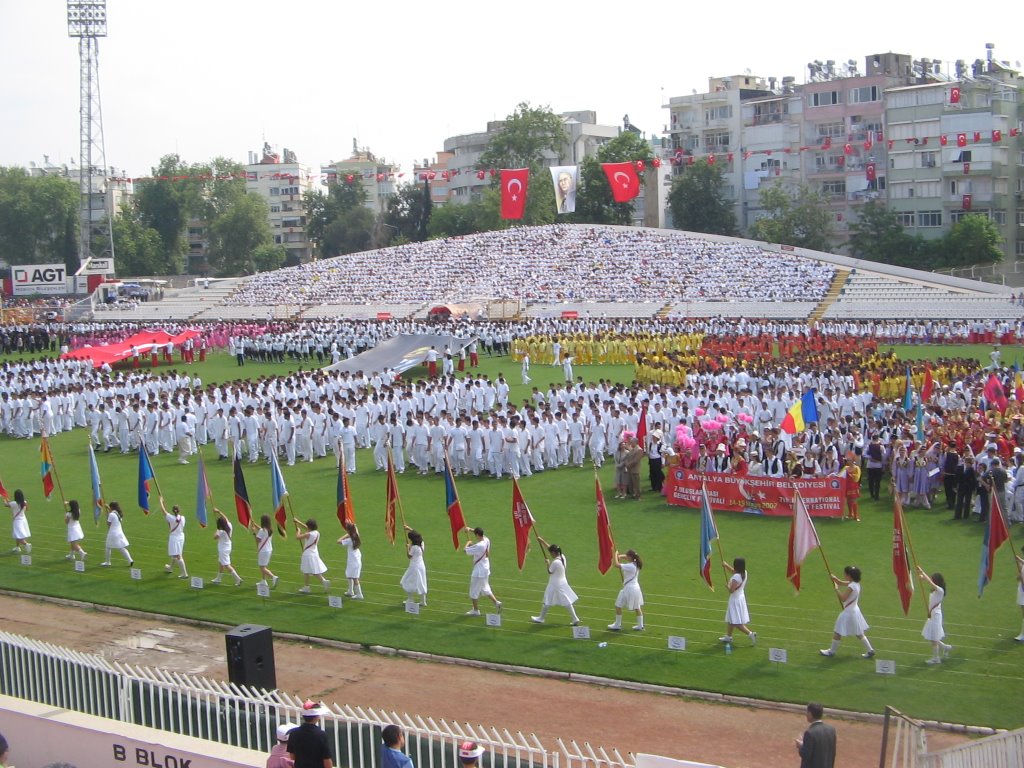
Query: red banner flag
column 869, row 172
column 961, row 139
column 513, row 192
column 995, row 397
column 803, row 537
column 622, row 179
column 641, row 426
column 954, row 95
column 605, row 542
column 967, row 202
column 928, row 386
column 996, row 534
column 997, row 136
column 391, row 500
column 346, row 512
column 943, row 140
column 522, row 521
column 900, row 556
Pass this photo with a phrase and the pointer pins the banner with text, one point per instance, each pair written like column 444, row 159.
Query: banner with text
column 42, row 279
column 756, row 494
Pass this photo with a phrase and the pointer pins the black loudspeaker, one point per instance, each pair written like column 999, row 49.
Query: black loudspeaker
column 250, row 652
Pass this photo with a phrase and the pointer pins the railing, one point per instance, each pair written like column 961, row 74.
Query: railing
column 1004, row 750
column 906, row 738
column 245, row 717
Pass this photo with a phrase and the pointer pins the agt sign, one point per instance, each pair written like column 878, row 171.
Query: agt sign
column 48, row 279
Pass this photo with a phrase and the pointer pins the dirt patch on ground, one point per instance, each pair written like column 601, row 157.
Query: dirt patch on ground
column 728, row 735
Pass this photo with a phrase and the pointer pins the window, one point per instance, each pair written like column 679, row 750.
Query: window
column 1020, row 217
column 928, row 189
column 717, row 141
column 1020, row 247
column 275, row 191
column 929, row 218
column 999, row 217
column 289, row 190
column 275, row 209
column 834, row 188
column 964, row 156
column 929, row 159
column 718, row 113
column 828, row 163
column 825, row 98
column 867, row 93
column 905, row 219
column 833, row 130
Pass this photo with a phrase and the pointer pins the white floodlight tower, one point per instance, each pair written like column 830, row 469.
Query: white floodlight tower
column 87, row 20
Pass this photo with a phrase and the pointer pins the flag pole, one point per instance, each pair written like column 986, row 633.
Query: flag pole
column 53, row 465
column 821, row 549
column 398, row 496
column 209, row 490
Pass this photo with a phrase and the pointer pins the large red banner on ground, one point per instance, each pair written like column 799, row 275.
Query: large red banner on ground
column 756, row 494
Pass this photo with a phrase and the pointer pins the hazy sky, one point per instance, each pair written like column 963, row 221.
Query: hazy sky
column 219, row 77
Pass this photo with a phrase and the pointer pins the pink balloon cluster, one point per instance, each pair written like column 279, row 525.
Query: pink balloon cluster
column 685, row 440
column 744, row 418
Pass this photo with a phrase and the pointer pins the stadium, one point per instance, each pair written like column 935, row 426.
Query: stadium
column 721, row 315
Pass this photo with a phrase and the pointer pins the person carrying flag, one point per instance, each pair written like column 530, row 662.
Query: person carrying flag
column 72, row 519
column 414, row 580
column 479, row 580
column 175, row 538
column 933, row 630
column 851, row 620
column 223, row 537
column 311, row 564
column 354, row 562
column 115, row 535
column 264, row 535
column 558, row 591
column 20, row 530
column 630, row 596
column 736, row 614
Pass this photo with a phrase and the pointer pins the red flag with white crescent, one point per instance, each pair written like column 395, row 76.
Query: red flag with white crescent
column 623, row 180
column 514, row 182
column 522, row 521
column 605, row 542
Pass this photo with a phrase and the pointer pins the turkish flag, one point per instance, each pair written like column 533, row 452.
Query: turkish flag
column 730, row 157
column 840, row 160
column 967, row 168
column 711, row 159
column 997, row 136
column 622, row 179
column 891, row 142
column 481, row 174
column 868, row 144
column 605, row 541
column 1014, row 132
column 848, row 149
column 522, row 522
column 869, row 171
column 954, row 95
column 827, row 143
column 878, row 136
column 961, row 139
column 967, row 202
column 943, row 140
column 514, row 182
column 690, row 160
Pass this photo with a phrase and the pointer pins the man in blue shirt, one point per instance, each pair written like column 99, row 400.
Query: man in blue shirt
column 392, row 756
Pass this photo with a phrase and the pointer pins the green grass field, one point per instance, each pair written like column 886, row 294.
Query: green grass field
column 978, row 684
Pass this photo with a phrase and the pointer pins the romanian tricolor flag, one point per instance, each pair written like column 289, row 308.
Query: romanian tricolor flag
column 278, row 495
column 452, row 504
column 46, row 468
column 242, row 506
column 802, row 413
column 708, row 533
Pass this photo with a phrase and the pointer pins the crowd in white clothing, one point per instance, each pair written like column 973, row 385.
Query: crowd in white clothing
column 550, row 263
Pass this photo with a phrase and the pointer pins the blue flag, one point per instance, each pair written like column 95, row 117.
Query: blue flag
column 202, row 495
column 97, row 489
column 908, row 396
column 145, row 475
column 708, row 533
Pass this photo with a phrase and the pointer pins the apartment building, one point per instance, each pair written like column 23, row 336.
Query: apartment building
column 282, row 181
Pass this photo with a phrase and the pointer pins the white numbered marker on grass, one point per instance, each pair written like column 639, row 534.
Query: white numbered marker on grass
column 136, row 574
column 778, row 655
column 334, row 601
column 493, row 619
column 413, row 608
column 885, row 667
column 581, row 633
column 79, row 566
column 676, row 643
column 196, row 582
column 263, row 590
column 26, row 559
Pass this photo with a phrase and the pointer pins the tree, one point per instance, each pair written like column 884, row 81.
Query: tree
column 698, row 201
column 324, row 211
column 38, row 218
column 802, row 220
column 237, row 234
column 405, row 212
column 138, row 249
column 458, row 219
column 269, row 257
column 531, row 137
column 349, row 232
column 594, row 201
column 975, row 239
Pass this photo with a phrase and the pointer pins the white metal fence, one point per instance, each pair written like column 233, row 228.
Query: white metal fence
column 1004, row 750
column 246, row 717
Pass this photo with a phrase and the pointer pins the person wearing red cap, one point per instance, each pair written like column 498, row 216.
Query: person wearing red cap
column 469, row 753
column 308, row 746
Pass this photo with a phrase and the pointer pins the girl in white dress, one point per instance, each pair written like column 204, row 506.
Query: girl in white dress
column 19, row 523
column 630, row 597
column 264, row 534
column 72, row 519
column 1020, row 596
column 224, row 545
column 933, row 630
column 736, row 614
column 851, row 620
column 311, row 564
column 558, row 591
column 354, row 561
column 175, row 539
column 115, row 535
column 414, row 580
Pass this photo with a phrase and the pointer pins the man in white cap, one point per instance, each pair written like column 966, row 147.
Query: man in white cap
column 469, row 753
column 655, row 460
column 278, row 757
column 307, row 744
